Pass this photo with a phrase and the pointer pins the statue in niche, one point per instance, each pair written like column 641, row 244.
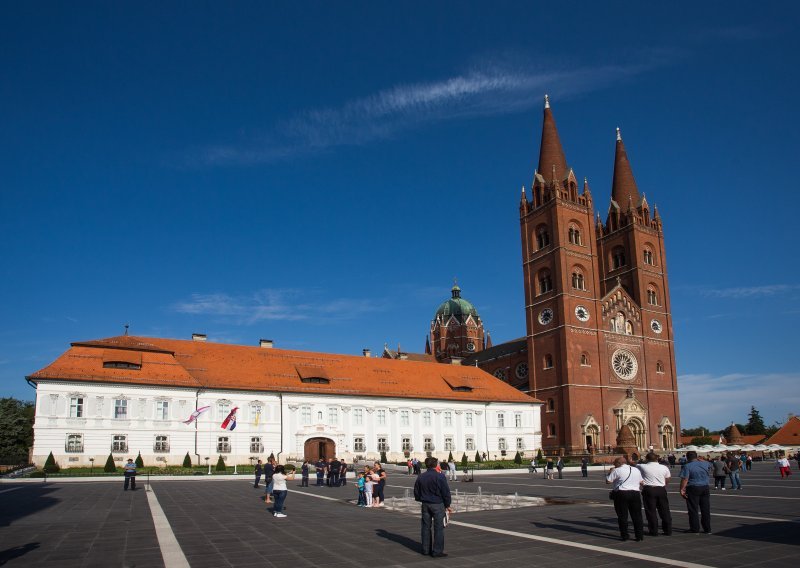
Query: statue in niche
column 629, row 392
column 620, row 323
column 628, row 328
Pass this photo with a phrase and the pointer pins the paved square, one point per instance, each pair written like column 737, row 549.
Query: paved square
column 223, row 522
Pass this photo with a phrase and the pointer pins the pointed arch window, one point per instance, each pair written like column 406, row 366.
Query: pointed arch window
column 575, row 235
column 648, row 257
column 545, row 281
column 542, row 237
column 618, row 258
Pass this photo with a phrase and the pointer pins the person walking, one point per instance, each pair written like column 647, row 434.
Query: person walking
column 560, row 467
column 721, row 471
column 694, row 488
column 548, row 469
column 749, row 462
column 259, row 471
column 671, row 459
column 533, row 467
column 783, row 466
column 627, row 484
column 432, row 491
column 734, row 466
column 451, row 467
column 279, row 490
column 655, row 477
column 269, row 471
column 584, row 467
column 129, row 470
column 304, row 474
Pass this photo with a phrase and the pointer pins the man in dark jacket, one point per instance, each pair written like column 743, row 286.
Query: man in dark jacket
column 432, row 491
column 259, row 471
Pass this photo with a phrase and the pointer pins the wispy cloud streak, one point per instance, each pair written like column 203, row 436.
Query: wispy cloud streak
column 491, row 89
column 749, row 291
column 271, row 304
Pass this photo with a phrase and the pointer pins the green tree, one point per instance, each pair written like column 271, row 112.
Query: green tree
column 755, row 424
column 702, row 441
column 539, row 455
column 187, row 461
column 139, row 460
column 450, row 457
column 110, row 467
column 50, row 466
column 16, row 430
column 518, row 458
column 383, row 457
column 464, row 460
column 698, row 431
column 477, row 457
column 271, row 457
column 221, row 464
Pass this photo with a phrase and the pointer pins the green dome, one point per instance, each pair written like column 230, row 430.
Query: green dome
column 456, row 306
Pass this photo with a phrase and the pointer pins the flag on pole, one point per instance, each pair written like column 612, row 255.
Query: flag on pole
column 195, row 414
column 230, row 422
column 258, row 417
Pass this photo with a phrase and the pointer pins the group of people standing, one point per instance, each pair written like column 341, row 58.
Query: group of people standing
column 370, row 484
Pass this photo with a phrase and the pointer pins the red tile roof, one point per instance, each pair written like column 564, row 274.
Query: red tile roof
column 788, row 435
column 201, row 364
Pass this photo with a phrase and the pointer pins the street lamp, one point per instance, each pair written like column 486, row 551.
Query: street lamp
column 91, row 468
column 209, row 465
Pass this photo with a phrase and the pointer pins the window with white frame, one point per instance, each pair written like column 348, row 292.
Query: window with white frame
column 358, row 444
column 426, row 417
column 223, row 409
column 518, row 420
column 76, row 407
column 74, row 443
column 120, row 409
column 470, row 443
column 468, row 420
column 448, row 444
column 501, row 420
column 305, row 415
column 406, row 444
column 381, row 417
column 520, row 444
column 333, row 415
column 427, row 444
column 256, row 446
column 257, row 412
column 161, row 444
column 223, row 445
column 404, row 418
column 383, row 444
column 119, row 443
column 448, row 418
column 501, row 444
column 358, row 417
column 162, row 410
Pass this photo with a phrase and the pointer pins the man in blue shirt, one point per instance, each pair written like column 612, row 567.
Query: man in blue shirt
column 694, row 488
column 432, row 491
column 130, row 474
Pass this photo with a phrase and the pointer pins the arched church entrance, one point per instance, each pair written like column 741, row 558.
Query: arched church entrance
column 319, row 448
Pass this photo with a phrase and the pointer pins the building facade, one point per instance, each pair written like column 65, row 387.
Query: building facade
column 129, row 395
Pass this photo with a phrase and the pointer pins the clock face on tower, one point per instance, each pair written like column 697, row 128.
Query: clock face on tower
column 545, row 316
column 582, row 313
column 655, row 325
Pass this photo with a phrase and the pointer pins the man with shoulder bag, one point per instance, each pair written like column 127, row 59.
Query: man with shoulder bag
column 627, row 482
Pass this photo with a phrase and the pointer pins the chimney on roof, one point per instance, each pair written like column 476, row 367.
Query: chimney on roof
column 265, row 343
column 199, row 337
column 456, row 360
column 366, row 352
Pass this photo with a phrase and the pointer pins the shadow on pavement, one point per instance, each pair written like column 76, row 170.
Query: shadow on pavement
column 779, row 533
column 16, row 552
column 400, row 539
column 608, row 526
column 26, row 501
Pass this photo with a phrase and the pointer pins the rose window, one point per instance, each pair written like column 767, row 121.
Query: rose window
column 624, row 364
column 522, row 370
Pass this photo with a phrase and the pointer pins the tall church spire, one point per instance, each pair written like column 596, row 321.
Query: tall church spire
column 551, row 154
column 623, row 188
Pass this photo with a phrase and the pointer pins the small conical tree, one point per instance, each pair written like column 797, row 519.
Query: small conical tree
column 50, row 466
column 139, row 460
column 187, row 461
column 383, row 457
column 110, row 467
column 518, row 458
column 271, row 456
column 464, row 460
column 539, row 455
column 450, row 457
column 477, row 457
column 221, row 464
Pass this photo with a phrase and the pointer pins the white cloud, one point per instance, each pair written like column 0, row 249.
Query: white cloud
column 716, row 400
column 272, row 304
column 488, row 89
column 749, row 291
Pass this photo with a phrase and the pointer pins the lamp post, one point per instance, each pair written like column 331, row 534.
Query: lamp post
column 209, row 465
column 91, row 467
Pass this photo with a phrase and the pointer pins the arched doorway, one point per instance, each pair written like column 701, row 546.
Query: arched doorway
column 319, row 448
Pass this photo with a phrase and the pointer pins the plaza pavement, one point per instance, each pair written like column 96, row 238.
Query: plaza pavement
column 222, row 522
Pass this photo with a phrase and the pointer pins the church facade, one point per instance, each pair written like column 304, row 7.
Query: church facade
column 599, row 347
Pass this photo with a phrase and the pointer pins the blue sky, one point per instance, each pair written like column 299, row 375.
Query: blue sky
column 319, row 173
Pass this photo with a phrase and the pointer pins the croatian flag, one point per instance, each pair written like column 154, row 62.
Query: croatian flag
column 195, row 414
column 230, row 422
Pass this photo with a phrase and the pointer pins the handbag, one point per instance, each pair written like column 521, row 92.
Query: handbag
column 613, row 493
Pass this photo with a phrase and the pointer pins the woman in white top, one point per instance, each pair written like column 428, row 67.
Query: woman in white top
column 279, row 489
column 627, row 498
column 783, row 466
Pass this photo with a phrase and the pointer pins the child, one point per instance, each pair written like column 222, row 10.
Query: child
column 361, row 484
column 368, row 485
column 304, row 474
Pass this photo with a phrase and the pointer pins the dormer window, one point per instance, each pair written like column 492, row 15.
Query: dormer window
column 318, row 380
column 122, row 365
column 122, row 359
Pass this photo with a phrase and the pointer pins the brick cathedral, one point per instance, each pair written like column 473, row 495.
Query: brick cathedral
column 599, row 348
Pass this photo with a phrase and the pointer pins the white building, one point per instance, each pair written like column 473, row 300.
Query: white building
column 128, row 395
